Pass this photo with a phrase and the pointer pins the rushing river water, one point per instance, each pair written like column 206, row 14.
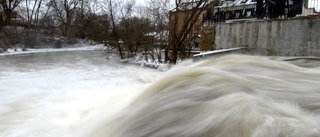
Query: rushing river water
column 64, row 94
column 85, row 95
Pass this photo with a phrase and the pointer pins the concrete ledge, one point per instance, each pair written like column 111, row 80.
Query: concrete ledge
column 221, row 52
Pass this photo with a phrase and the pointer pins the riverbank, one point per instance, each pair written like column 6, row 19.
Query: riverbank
column 100, row 47
column 19, row 51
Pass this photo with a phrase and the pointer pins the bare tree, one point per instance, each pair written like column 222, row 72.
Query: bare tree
column 33, row 11
column 182, row 22
column 134, row 30
column 125, row 25
column 158, row 12
column 86, row 15
column 120, row 11
column 99, row 29
column 65, row 10
column 8, row 6
column 135, row 35
column 113, row 19
column 1, row 22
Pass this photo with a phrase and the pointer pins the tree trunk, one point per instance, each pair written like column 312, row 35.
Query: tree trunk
column 8, row 17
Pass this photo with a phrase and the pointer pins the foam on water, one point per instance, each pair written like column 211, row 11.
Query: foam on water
column 66, row 94
column 231, row 96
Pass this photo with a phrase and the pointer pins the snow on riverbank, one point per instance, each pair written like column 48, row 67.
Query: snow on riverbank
column 32, row 51
column 150, row 64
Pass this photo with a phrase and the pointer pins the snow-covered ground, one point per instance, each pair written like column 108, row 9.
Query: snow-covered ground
column 65, row 94
column 31, row 51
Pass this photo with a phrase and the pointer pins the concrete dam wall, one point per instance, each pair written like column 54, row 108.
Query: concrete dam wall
column 290, row 37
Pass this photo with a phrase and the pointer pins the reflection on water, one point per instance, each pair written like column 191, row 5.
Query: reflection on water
column 232, row 96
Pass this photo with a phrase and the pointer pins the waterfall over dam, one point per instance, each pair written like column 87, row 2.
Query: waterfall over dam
column 81, row 94
column 230, row 96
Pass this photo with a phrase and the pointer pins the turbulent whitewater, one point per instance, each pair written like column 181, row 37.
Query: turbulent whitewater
column 65, row 94
column 231, row 96
column 83, row 94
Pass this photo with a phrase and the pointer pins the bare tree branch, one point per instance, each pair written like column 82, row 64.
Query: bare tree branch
column 8, row 7
column 65, row 10
column 183, row 19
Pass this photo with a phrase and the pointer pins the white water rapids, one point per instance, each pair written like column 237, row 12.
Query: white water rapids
column 65, row 94
column 231, row 96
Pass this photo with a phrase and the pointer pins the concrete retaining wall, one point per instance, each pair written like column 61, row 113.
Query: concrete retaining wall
column 298, row 37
